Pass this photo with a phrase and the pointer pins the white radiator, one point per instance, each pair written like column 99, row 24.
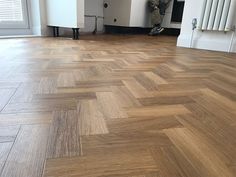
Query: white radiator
column 217, row 15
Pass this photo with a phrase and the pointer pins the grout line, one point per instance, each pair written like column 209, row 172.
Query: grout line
column 11, row 97
column 46, row 151
column 80, row 132
column 81, row 146
column 10, row 151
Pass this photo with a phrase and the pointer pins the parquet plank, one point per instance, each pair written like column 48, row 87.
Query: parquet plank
column 173, row 163
column 157, row 111
column 119, row 164
column 91, row 119
column 8, row 133
column 25, row 118
column 110, row 106
column 115, row 105
column 123, row 142
column 64, row 140
column 41, row 106
column 66, row 80
column 212, row 133
column 192, row 147
column 4, row 151
column 137, row 89
column 124, row 98
column 24, row 93
column 153, row 125
column 157, row 79
column 27, row 156
column 219, row 99
column 5, row 95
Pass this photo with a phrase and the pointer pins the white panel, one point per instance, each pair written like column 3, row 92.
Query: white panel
column 140, row 14
column 212, row 40
column 93, row 7
column 133, row 13
column 218, row 14
column 231, row 16
column 212, row 15
column 207, row 14
column 80, row 13
column 117, row 13
column 202, row 14
column 224, row 15
column 65, row 13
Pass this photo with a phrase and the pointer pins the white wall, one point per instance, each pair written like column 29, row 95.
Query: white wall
column 140, row 15
column 119, row 10
column 93, row 7
column 39, row 18
column 209, row 40
column 35, row 17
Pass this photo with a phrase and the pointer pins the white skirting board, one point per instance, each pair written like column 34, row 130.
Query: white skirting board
column 208, row 43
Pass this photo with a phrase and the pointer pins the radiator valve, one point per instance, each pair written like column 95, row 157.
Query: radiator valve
column 194, row 23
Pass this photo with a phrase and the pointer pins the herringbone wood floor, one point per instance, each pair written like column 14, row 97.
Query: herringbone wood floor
column 116, row 106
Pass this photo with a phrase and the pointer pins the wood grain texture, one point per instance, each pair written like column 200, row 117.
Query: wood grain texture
column 8, row 133
column 5, row 95
column 115, row 106
column 132, row 141
column 91, row 119
column 110, row 106
column 66, row 80
column 27, row 156
column 25, row 119
column 96, row 165
column 4, row 151
column 156, row 111
column 195, row 149
column 171, row 162
column 64, row 140
column 137, row 89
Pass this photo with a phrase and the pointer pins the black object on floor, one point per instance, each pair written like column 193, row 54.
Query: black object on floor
column 133, row 30
column 75, row 32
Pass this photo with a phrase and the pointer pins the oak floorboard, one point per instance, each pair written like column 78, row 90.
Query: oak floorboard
column 8, row 133
column 157, row 111
column 192, row 147
column 143, row 124
column 124, row 97
column 5, row 95
column 123, row 141
column 172, row 163
column 40, row 106
column 4, row 151
column 27, row 155
column 137, row 89
column 64, row 140
column 96, row 165
column 91, row 119
column 25, row 118
column 109, row 105
column 116, row 106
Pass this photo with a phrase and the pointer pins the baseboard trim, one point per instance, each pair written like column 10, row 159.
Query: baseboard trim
column 138, row 30
column 206, row 44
